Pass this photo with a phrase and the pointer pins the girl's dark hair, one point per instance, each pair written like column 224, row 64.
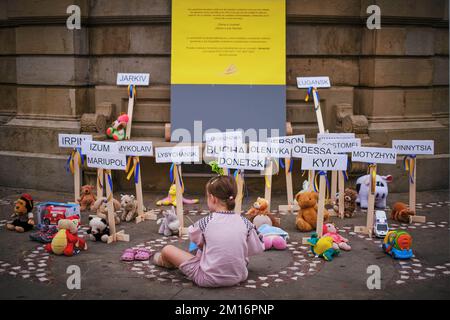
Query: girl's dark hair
column 223, row 188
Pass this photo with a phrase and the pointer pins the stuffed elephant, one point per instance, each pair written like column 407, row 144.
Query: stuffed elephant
column 170, row 223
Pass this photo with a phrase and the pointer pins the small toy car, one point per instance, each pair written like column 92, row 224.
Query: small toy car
column 50, row 213
column 380, row 227
column 398, row 244
column 53, row 214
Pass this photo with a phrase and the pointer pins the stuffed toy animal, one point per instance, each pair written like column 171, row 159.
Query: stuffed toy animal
column 98, row 229
column 101, row 209
column 259, row 214
column 23, row 214
column 350, row 196
column 401, row 212
column 129, row 207
column 273, row 237
column 117, row 130
column 307, row 215
column 323, row 247
column 171, row 199
column 170, row 224
column 329, row 230
column 381, row 190
column 66, row 241
column 87, row 198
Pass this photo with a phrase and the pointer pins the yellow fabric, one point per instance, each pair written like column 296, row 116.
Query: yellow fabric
column 323, row 245
column 59, row 242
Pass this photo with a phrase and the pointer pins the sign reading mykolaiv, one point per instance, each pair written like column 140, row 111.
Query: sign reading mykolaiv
column 413, row 147
column 332, row 136
column 274, row 150
column 336, row 162
column 72, row 140
column 342, row 145
column 243, row 161
column 303, row 149
column 178, row 154
column 374, row 155
column 136, row 148
column 315, row 82
column 88, row 147
column 137, row 79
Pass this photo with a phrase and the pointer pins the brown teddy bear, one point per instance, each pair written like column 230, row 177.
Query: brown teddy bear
column 350, row 196
column 306, row 219
column 101, row 209
column 260, row 211
column 401, row 212
column 87, row 198
column 23, row 214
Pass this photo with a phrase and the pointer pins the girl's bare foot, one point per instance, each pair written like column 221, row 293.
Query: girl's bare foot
column 159, row 261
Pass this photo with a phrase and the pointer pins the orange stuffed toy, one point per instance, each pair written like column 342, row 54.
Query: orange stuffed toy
column 401, row 212
column 87, row 198
column 307, row 215
column 260, row 208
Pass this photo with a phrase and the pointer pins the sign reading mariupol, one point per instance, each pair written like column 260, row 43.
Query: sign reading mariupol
column 106, row 161
column 88, row 147
column 374, row 155
column 300, row 150
column 72, row 140
column 243, row 161
column 411, row 147
column 177, row 154
column 325, row 162
column 136, row 148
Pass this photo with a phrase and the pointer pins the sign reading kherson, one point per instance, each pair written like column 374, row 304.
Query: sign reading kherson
column 243, row 161
column 336, row 162
column 274, row 150
column 333, row 136
column 237, row 136
column 374, row 155
column 177, row 154
column 411, row 147
column 316, row 82
column 88, row 147
column 136, row 148
column 72, row 140
column 342, row 145
column 106, row 161
column 300, row 138
column 303, row 149
column 137, row 79
column 215, row 148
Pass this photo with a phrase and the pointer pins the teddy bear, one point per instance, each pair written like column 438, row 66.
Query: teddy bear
column 323, row 247
column 129, row 207
column 329, row 230
column 259, row 214
column 98, row 229
column 23, row 214
column 307, row 214
column 350, row 196
column 117, row 129
column 87, row 198
column 66, row 241
column 170, row 224
column 401, row 212
column 101, row 209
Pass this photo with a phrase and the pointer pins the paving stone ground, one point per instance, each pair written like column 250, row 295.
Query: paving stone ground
column 27, row 272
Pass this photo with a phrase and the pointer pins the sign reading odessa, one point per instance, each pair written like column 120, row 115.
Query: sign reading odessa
column 177, row 154
column 72, row 140
column 334, row 162
column 315, row 82
column 135, row 148
column 304, row 149
column 374, row 155
column 137, row 79
column 413, row 147
column 274, row 150
column 243, row 161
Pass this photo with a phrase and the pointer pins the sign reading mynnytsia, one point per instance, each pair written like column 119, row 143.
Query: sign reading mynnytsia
column 228, row 55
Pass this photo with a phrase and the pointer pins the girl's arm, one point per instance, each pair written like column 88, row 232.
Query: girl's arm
column 196, row 235
column 255, row 242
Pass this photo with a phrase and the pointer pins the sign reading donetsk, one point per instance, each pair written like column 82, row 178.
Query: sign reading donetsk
column 228, row 64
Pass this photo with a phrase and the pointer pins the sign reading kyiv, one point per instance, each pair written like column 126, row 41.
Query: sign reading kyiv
column 374, row 155
column 336, row 162
column 72, row 140
column 411, row 147
column 137, row 79
column 177, row 154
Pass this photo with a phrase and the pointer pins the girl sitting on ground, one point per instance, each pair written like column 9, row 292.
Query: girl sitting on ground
column 225, row 240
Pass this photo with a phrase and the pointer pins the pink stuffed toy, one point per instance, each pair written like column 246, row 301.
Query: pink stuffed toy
column 329, row 230
column 276, row 242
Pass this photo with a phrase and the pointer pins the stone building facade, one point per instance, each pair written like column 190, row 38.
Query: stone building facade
column 390, row 83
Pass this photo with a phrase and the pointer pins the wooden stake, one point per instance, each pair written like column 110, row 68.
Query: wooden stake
column 119, row 236
column 321, row 205
column 142, row 214
column 76, row 176
column 311, row 174
column 368, row 229
column 341, row 190
column 412, row 185
column 334, row 183
column 179, row 199
column 289, row 190
column 318, row 113
column 240, row 193
column 100, row 183
column 130, row 115
column 268, row 183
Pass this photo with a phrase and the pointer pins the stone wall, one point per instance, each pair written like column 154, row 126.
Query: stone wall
column 396, row 78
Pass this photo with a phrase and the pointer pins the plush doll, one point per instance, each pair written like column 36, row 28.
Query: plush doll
column 259, row 214
column 117, row 130
column 323, row 247
column 170, row 224
column 23, row 214
column 329, row 230
column 401, row 212
column 87, row 198
column 98, row 229
column 350, row 196
column 381, row 190
column 273, row 237
column 171, row 199
column 129, row 207
column 101, row 209
column 66, row 241
column 307, row 215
